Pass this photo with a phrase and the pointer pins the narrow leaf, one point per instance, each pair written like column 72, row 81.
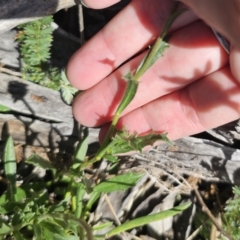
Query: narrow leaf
column 18, row 236
column 147, row 63
column 147, row 219
column 111, row 158
column 79, row 200
column 102, row 226
column 82, row 149
column 93, row 198
column 4, row 108
column 38, row 161
column 65, row 237
column 78, row 221
column 38, row 231
column 19, row 195
column 118, row 183
column 4, row 229
column 10, row 166
column 52, row 227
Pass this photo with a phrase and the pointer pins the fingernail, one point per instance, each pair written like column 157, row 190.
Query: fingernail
column 84, row 4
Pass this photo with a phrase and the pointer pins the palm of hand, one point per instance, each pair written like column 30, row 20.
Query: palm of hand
column 187, row 91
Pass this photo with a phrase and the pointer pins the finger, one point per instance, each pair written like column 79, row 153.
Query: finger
column 206, row 103
column 235, row 62
column 132, row 30
column 193, row 53
column 220, row 15
column 99, row 4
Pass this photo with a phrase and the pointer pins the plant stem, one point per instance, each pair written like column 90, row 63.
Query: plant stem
column 133, row 81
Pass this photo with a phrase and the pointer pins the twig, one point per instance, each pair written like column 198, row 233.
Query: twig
column 113, row 212
column 81, row 23
column 112, row 209
column 195, row 233
column 8, row 71
column 208, row 212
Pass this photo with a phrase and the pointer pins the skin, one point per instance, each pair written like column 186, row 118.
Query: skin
column 224, row 16
column 191, row 89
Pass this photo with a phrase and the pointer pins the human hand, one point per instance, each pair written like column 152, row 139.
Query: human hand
column 223, row 16
column 187, row 91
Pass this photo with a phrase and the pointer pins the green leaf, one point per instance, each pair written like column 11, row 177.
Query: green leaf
column 93, row 198
column 64, row 78
column 38, row 161
column 38, row 231
column 77, row 221
column 60, row 207
column 4, row 228
column 66, row 237
column 159, row 46
column 48, row 235
column 29, row 216
column 68, row 93
column 82, row 149
column 10, row 166
column 79, row 200
column 4, row 108
column 124, row 142
column 111, row 158
column 19, row 196
column 102, row 226
column 147, row 219
column 18, row 236
column 118, row 183
column 52, row 227
column 236, row 190
column 146, row 63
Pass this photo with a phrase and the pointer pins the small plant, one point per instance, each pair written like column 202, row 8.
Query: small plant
column 28, row 211
column 35, row 41
column 231, row 215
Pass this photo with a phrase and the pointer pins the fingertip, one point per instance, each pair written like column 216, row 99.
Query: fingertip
column 99, row 4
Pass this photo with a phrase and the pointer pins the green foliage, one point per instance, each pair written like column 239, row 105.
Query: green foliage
column 147, row 219
column 124, row 142
column 67, row 90
column 132, row 79
column 4, row 109
column 35, row 40
column 30, row 211
column 29, row 206
column 232, row 219
column 118, row 183
column 10, row 167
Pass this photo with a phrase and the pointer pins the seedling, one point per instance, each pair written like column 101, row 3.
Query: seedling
column 29, row 210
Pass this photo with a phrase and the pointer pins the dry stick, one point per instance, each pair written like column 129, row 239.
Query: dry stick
column 208, row 212
column 195, row 233
column 10, row 72
column 112, row 209
column 81, row 23
column 113, row 212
